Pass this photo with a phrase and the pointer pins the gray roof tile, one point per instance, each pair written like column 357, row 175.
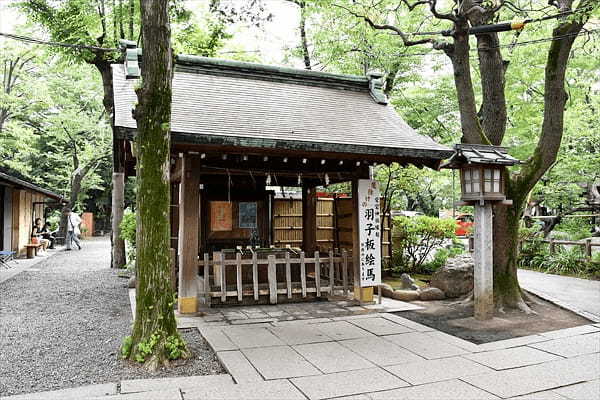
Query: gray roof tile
column 247, row 108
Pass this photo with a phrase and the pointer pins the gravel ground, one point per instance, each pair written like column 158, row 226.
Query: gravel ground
column 62, row 321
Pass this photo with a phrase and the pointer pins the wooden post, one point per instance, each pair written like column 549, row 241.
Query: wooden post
column 552, row 246
column 255, row 275
column 309, row 219
column 272, row 274
column 318, row 273
column 223, row 271
column 331, row 273
column 288, row 275
column 189, row 207
column 356, row 242
column 484, row 263
column 303, row 274
column 238, row 268
column 588, row 249
column 345, row 271
column 118, row 207
column 207, row 278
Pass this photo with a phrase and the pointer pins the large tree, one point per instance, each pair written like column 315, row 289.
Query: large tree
column 155, row 329
column 483, row 111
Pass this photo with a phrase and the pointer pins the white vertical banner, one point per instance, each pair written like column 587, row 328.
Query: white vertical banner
column 369, row 226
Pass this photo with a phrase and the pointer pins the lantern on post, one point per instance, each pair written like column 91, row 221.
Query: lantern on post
column 482, row 181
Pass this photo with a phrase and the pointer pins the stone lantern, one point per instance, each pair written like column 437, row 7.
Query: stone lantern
column 482, row 182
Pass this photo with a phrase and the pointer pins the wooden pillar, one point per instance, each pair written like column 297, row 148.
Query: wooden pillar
column 309, row 219
column 484, row 263
column 189, row 216
column 118, row 208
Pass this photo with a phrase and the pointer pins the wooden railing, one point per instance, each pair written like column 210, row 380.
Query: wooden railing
column 586, row 245
column 331, row 273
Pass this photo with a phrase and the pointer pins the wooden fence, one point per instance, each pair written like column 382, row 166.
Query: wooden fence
column 334, row 224
column 586, row 245
column 316, row 275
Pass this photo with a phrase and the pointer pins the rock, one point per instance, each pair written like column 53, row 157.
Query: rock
column 386, row 290
column 408, row 282
column 431, row 293
column 132, row 283
column 405, row 295
column 455, row 279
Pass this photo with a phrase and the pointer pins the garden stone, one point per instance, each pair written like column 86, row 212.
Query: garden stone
column 132, row 283
column 405, row 295
column 456, row 277
column 408, row 282
column 431, row 293
column 386, row 290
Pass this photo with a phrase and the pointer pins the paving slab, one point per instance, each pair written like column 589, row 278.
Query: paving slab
column 425, row 346
column 184, row 382
column 258, row 322
column 512, row 358
column 415, row 326
column 392, row 305
column 581, row 391
column 379, row 351
column 332, row 357
column 380, row 326
column 571, row 346
column 342, row 330
column 544, row 395
column 300, row 334
column 537, row 378
column 355, row 397
column 447, row 390
column 514, row 342
column 456, row 341
column 248, row 337
column 266, row 390
column 575, row 331
column 238, row 366
column 279, row 362
column 170, row 394
column 347, row 383
column 77, row 393
column 216, row 339
column 301, row 322
column 428, row 371
column 356, row 316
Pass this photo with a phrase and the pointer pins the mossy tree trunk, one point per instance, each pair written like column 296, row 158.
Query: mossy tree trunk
column 155, row 323
column 486, row 124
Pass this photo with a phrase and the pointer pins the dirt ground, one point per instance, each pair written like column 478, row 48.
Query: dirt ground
column 457, row 319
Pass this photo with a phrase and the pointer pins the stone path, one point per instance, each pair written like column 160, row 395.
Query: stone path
column 296, row 352
column 581, row 296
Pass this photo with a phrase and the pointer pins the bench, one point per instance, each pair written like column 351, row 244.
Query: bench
column 32, row 249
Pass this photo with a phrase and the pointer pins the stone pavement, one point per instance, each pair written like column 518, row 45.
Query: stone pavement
column 339, row 350
column 581, row 296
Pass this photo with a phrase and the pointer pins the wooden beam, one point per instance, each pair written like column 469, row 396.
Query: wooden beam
column 355, row 241
column 189, row 207
column 309, row 216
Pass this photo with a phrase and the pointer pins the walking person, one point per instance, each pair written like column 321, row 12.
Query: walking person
column 73, row 232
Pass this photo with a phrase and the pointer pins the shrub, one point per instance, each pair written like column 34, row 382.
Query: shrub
column 415, row 238
column 128, row 232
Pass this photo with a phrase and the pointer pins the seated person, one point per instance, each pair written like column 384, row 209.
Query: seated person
column 36, row 233
column 49, row 234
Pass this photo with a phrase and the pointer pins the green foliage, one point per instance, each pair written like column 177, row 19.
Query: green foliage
column 415, row 238
column 126, row 347
column 441, row 256
column 175, row 347
column 146, row 347
column 576, row 228
column 128, row 227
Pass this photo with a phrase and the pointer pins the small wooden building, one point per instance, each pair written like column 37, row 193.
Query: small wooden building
column 242, row 132
column 21, row 203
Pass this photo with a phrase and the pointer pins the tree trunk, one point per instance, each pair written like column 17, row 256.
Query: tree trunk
column 303, row 39
column 155, row 323
column 118, row 206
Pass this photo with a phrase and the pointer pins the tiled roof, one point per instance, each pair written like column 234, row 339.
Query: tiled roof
column 20, row 183
column 249, row 105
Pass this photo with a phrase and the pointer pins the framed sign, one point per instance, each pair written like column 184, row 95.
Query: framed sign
column 247, row 214
column 220, row 216
column 369, row 223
